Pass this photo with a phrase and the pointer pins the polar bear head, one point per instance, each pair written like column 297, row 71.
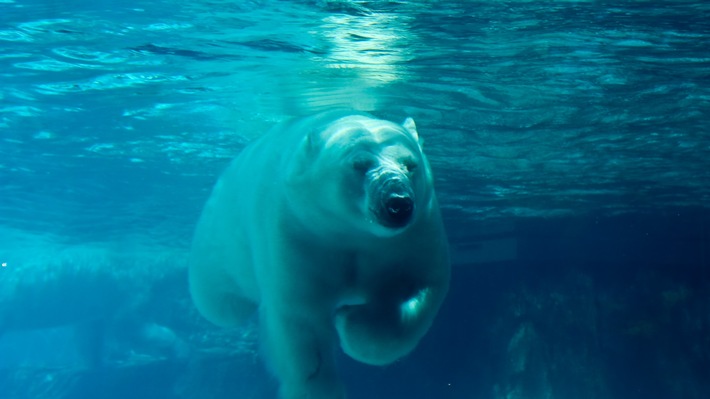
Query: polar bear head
column 361, row 173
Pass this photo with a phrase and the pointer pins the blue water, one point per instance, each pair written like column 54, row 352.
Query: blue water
column 585, row 121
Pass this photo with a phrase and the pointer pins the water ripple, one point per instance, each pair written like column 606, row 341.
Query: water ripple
column 50, row 64
column 109, row 82
column 81, row 53
column 13, row 35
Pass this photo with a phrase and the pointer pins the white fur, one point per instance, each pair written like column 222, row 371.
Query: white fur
column 289, row 228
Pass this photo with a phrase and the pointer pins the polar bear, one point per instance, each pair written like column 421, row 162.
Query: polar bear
column 330, row 227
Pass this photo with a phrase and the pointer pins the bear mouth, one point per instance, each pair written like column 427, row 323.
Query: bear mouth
column 398, row 209
column 392, row 201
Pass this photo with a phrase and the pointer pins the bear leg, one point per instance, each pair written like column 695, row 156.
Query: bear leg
column 301, row 354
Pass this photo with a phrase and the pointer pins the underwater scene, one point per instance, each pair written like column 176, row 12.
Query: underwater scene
column 494, row 199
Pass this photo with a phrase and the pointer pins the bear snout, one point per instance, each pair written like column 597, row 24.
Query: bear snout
column 392, row 201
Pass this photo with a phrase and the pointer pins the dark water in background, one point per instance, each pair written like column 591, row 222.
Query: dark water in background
column 570, row 143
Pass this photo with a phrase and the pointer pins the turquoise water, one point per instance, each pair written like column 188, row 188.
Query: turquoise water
column 122, row 114
column 117, row 117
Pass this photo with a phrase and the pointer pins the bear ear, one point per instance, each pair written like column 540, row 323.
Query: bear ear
column 411, row 127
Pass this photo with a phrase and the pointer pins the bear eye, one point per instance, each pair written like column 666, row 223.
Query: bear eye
column 409, row 164
column 363, row 164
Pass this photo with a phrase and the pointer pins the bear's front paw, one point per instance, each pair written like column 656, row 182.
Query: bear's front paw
column 412, row 308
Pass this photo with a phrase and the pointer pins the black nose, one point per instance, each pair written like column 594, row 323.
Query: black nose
column 399, row 208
